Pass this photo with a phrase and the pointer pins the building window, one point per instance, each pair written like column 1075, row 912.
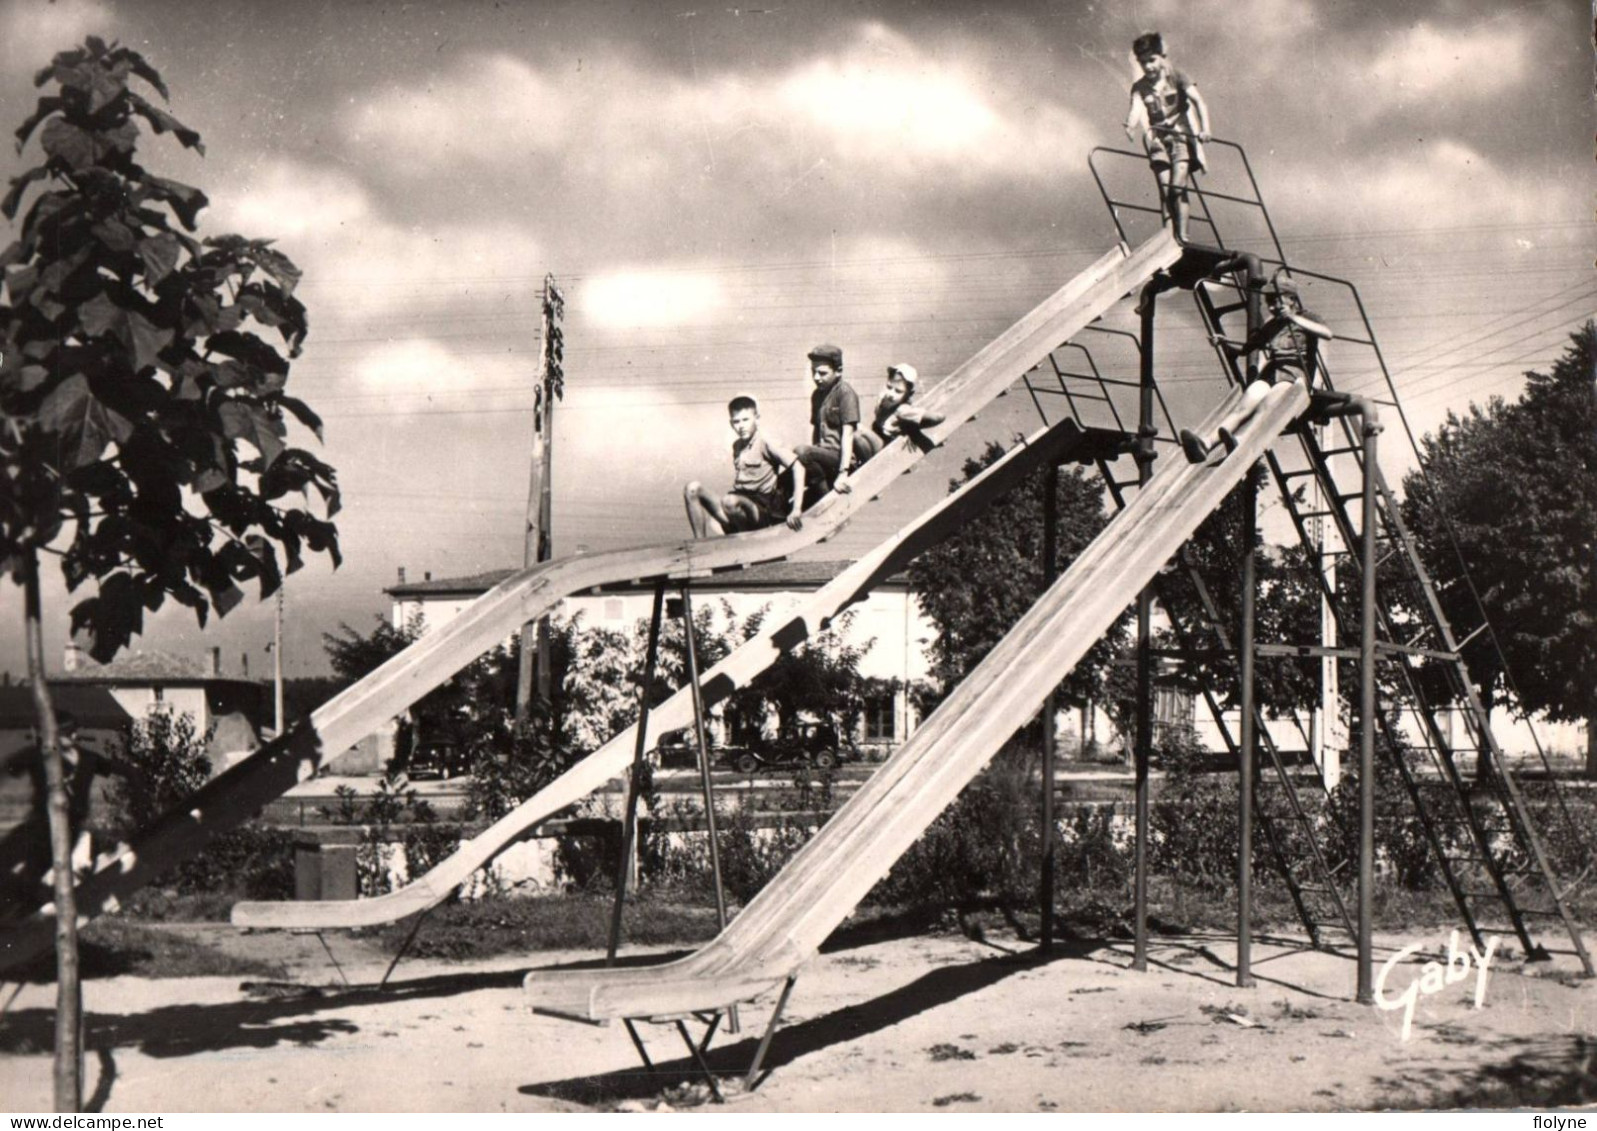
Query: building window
column 1173, row 709
column 159, row 692
column 879, row 719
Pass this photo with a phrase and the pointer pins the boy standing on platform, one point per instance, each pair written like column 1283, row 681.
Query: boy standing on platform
column 1173, row 121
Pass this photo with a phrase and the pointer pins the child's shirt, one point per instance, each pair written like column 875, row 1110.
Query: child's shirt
column 885, row 421
column 830, row 409
column 755, row 466
column 1164, row 99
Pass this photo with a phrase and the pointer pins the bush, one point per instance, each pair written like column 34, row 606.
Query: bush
column 984, row 847
column 251, row 862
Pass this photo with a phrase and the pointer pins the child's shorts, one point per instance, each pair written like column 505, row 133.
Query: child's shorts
column 1166, row 150
column 767, row 507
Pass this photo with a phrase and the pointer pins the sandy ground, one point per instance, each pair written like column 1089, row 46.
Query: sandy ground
column 910, row 1024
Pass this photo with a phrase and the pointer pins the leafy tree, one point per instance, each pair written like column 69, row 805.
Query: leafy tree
column 977, row 584
column 1514, row 485
column 165, row 754
column 133, row 371
column 1287, row 610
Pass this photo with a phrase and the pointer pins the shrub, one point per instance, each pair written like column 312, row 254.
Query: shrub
column 984, row 847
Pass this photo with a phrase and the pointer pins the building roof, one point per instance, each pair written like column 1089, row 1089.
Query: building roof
column 143, row 667
column 766, row 575
column 92, row 708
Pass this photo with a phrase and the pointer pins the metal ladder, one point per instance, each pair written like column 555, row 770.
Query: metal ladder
column 1501, row 846
column 1290, row 835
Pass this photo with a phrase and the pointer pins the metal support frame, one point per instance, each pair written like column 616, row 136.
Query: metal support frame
column 697, row 1050
column 1146, row 430
column 404, row 947
column 629, row 817
column 704, row 772
column 1050, row 570
column 1247, row 755
column 1366, row 949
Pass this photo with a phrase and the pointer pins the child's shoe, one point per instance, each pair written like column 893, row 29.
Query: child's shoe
column 1228, row 440
column 1193, row 444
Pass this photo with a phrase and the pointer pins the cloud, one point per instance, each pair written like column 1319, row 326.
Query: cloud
column 494, row 108
column 1440, row 183
column 883, row 107
column 623, row 299
column 360, row 264
column 32, row 31
column 1451, row 67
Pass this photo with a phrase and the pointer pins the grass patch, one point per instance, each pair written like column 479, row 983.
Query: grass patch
column 112, row 947
column 488, row 928
column 949, row 1052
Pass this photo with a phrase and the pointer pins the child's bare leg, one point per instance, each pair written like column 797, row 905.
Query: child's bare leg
column 1176, row 191
column 1197, row 447
column 740, row 512
column 702, row 506
column 1166, row 201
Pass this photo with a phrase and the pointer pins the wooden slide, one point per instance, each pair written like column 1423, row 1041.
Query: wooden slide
column 784, row 925
column 237, row 794
column 781, row 632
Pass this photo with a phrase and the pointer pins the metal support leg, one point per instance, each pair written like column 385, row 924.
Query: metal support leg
column 698, row 1059
column 637, row 1043
column 1250, row 537
column 1144, row 741
column 1050, row 569
column 332, row 957
column 629, row 818
column 704, row 775
column 404, row 946
column 752, row 1080
column 1367, row 709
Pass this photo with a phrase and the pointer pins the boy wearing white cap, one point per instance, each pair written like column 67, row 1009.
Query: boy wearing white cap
column 894, row 414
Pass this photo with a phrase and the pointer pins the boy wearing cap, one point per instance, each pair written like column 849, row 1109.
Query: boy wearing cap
column 755, row 500
column 834, row 419
column 1289, row 341
column 1172, row 120
column 894, row 414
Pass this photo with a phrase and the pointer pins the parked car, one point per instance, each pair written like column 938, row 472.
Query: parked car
column 804, row 744
column 443, row 759
column 679, row 750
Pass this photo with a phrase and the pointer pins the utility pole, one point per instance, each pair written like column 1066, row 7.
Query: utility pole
column 533, row 676
column 277, row 660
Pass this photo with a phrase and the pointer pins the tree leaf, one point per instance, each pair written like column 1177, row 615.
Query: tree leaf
column 185, row 200
column 84, row 424
column 242, row 420
column 302, row 413
column 19, row 185
column 248, row 348
column 105, row 87
column 112, row 617
column 160, row 255
column 47, row 105
column 142, row 338
column 163, row 122
column 67, row 143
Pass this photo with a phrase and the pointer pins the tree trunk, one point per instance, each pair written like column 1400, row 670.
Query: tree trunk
column 1591, row 747
column 69, row 997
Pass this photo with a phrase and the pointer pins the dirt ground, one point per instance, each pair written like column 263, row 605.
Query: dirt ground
column 909, row 1024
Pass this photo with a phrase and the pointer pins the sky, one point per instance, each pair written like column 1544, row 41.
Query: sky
column 716, row 189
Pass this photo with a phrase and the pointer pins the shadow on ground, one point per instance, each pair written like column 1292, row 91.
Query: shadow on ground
column 1532, row 1072
column 932, row 989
